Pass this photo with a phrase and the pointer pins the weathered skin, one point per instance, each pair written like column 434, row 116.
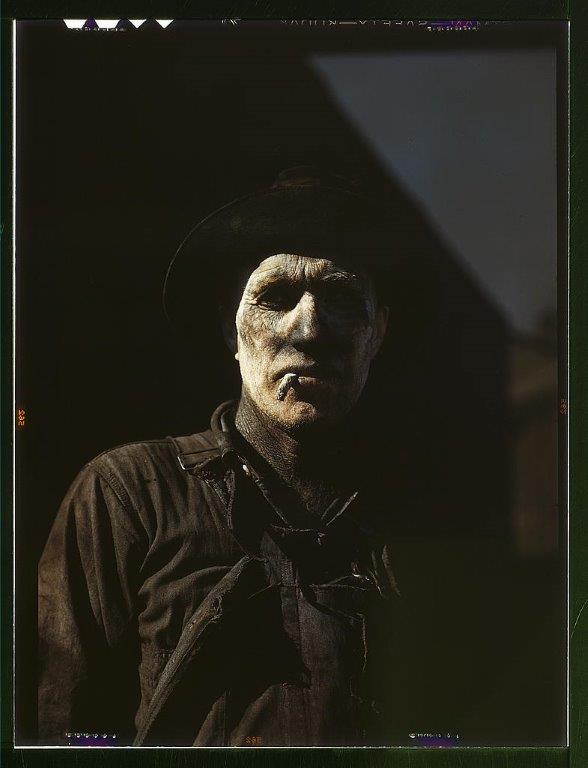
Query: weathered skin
column 322, row 321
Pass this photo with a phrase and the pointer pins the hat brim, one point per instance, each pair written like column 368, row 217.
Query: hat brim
column 310, row 220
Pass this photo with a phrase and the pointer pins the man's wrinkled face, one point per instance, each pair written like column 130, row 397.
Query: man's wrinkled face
column 314, row 318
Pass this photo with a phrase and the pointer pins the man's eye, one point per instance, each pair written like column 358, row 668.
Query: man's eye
column 279, row 297
column 342, row 298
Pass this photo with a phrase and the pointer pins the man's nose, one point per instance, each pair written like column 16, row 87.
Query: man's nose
column 305, row 323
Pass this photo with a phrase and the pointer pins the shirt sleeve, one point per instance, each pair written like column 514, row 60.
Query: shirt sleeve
column 88, row 585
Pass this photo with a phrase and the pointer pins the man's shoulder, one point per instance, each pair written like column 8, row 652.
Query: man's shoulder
column 154, row 459
column 141, row 483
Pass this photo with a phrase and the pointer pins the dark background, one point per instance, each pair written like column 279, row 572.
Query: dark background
column 125, row 139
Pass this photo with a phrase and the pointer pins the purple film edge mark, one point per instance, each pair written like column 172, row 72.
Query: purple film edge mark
column 435, row 741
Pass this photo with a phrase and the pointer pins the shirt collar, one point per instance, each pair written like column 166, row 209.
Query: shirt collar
column 342, row 513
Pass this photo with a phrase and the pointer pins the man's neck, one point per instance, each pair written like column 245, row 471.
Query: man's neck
column 302, row 461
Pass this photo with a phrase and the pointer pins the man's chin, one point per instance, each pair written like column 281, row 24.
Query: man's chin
column 295, row 415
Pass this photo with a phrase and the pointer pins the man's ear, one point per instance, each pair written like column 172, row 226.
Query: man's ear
column 380, row 325
column 229, row 329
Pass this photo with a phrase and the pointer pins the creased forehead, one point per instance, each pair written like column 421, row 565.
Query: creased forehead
column 301, row 268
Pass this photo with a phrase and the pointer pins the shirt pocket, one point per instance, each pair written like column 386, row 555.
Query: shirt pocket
column 357, row 636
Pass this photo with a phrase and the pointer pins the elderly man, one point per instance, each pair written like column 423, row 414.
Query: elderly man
column 234, row 587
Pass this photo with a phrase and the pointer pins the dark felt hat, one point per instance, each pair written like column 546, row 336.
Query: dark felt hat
column 306, row 212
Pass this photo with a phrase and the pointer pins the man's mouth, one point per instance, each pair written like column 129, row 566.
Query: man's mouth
column 315, row 371
column 302, row 376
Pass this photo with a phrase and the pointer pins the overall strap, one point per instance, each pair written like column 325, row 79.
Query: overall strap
column 192, row 450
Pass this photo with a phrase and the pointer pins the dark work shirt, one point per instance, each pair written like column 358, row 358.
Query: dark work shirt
column 178, row 604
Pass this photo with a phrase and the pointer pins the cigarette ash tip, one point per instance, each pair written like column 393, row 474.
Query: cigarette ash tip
column 289, row 380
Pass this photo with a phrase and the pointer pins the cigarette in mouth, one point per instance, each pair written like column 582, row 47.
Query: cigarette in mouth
column 287, row 381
